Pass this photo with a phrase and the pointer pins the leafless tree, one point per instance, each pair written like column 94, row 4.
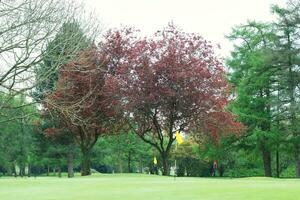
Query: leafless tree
column 26, row 27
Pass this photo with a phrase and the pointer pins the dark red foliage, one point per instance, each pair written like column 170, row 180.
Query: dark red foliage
column 174, row 77
column 78, row 96
column 170, row 82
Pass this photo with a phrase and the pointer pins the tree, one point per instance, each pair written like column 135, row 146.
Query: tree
column 253, row 74
column 171, row 82
column 60, row 143
column 124, row 152
column 79, row 102
column 287, row 48
column 16, row 138
column 26, row 27
column 62, row 49
column 266, row 72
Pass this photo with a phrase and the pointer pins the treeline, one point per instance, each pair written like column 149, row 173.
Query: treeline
column 74, row 104
column 264, row 70
column 125, row 88
column 28, row 152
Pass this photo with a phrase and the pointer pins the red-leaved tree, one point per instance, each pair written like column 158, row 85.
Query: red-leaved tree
column 80, row 104
column 170, row 82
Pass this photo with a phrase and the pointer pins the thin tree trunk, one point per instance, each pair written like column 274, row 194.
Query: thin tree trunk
column 129, row 161
column 59, row 172
column 141, row 166
column 48, row 170
column 277, row 164
column 120, row 166
column 21, row 171
column 70, row 164
column 221, row 169
column 9, row 171
column 15, row 168
column 29, row 170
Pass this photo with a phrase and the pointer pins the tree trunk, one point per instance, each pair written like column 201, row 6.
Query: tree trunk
column 9, row 171
column 86, row 162
column 277, row 164
column 129, row 161
column 221, row 169
column 48, row 170
column 267, row 161
column 21, row 171
column 120, row 165
column 70, row 164
column 59, row 172
column 141, row 166
column 29, row 170
column 165, row 159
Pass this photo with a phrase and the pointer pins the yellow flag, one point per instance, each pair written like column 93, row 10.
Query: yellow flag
column 155, row 161
column 179, row 138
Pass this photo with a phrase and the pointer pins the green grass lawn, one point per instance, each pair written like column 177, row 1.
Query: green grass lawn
column 147, row 187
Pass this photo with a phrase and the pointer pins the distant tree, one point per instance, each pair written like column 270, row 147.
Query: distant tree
column 16, row 137
column 172, row 82
column 126, row 152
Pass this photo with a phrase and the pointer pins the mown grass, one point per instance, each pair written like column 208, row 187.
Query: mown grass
column 147, row 187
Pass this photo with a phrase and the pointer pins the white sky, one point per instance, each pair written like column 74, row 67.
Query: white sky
column 211, row 18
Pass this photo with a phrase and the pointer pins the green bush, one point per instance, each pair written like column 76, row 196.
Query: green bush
column 289, row 172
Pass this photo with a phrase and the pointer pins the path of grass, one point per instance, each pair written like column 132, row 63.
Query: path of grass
column 147, row 187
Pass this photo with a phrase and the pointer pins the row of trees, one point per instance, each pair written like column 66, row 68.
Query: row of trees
column 264, row 68
column 123, row 99
column 151, row 87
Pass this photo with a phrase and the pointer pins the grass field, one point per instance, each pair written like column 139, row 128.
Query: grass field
column 147, row 187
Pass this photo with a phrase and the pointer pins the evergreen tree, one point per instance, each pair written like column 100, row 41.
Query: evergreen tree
column 288, row 60
column 69, row 41
column 252, row 73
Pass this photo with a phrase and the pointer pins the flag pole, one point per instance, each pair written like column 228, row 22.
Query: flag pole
column 175, row 168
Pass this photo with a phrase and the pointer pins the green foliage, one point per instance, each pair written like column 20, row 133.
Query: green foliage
column 188, row 161
column 288, row 172
column 121, row 153
column 52, row 151
column 263, row 69
column 68, row 42
column 16, row 134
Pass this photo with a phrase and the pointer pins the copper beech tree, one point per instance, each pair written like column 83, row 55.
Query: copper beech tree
column 79, row 102
column 170, row 82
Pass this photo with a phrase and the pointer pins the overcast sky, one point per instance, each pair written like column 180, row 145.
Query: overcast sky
column 211, row 18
